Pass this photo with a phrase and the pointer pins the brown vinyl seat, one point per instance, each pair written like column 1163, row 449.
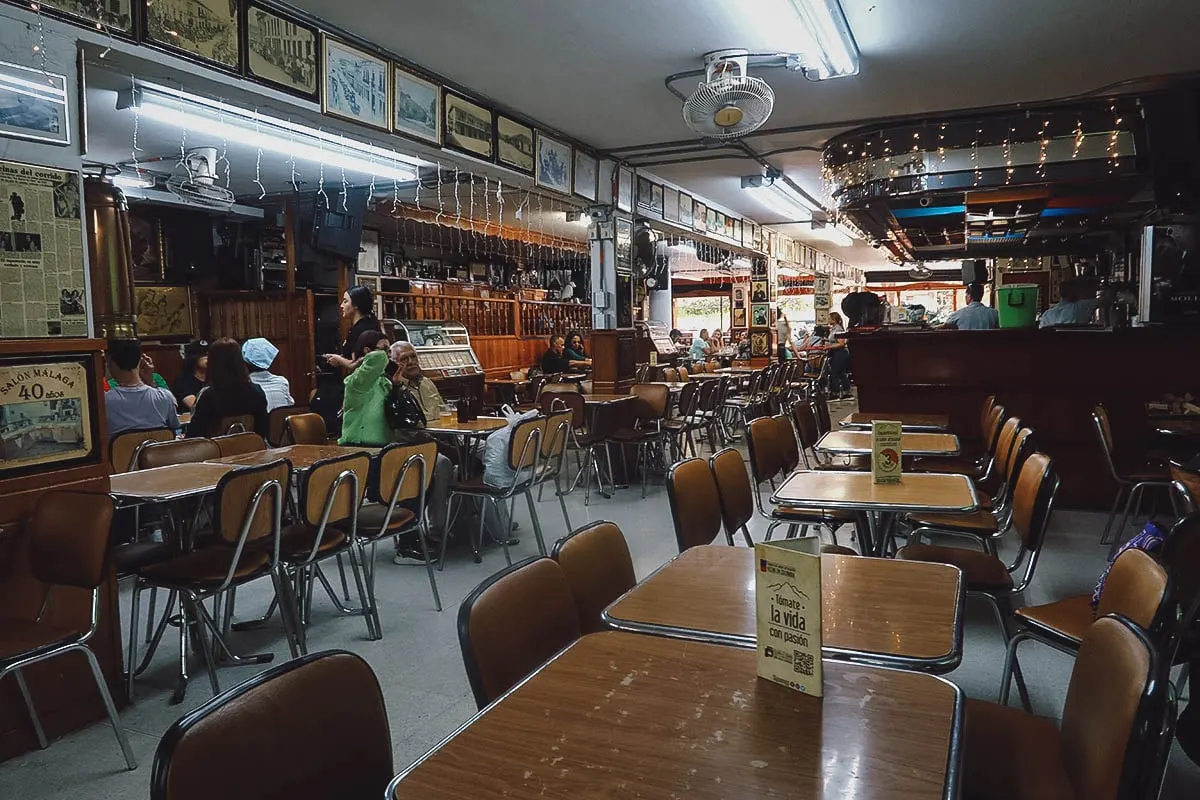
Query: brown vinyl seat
column 305, row 428
column 123, row 449
column 649, row 409
column 179, row 451
column 1136, row 588
column 239, row 423
column 683, row 375
column 236, row 444
column 695, row 503
column 314, row 727
column 68, row 550
column 977, row 466
column 1132, row 478
column 277, row 423
column 514, row 622
column 671, row 374
column 680, row 428
column 1099, row 753
column 733, row 489
column 599, row 569
column 555, row 441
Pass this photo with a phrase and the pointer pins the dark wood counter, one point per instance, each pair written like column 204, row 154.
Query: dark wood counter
column 1051, row 379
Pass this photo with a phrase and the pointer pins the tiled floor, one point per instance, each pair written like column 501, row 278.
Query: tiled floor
column 420, row 669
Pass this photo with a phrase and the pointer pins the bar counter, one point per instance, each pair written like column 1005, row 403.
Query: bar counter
column 1051, row 379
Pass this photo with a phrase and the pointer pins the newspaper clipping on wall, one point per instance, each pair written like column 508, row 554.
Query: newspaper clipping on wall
column 42, row 273
column 44, row 416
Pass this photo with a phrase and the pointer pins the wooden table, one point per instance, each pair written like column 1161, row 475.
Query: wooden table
column 927, row 423
column 626, row 716
column 878, row 505
column 873, row 610
column 736, row 370
column 482, row 427
column 858, row 443
column 597, row 399
column 301, row 456
column 167, row 484
column 672, row 386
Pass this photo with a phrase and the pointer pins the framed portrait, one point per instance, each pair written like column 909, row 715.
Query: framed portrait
column 756, row 236
column 699, row 216
column 586, row 177
column 368, row 257
column 624, row 247
column 656, row 198
column 33, row 105
column 737, row 231
column 208, row 30
column 739, row 317
column 281, row 52
column 731, row 229
column 625, row 188
column 760, row 344
column 514, row 144
column 739, row 295
column 760, row 315
column 468, row 126
column 416, row 106
column 670, row 204
column 716, row 221
column 554, row 162
column 758, row 292
column 46, row 413
column 148, row 251
column 163, row 312
column 357, row 85
column 685, row 209
column 115, row 15
column 645, row 192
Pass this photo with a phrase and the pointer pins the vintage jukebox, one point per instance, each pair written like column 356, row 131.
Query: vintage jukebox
column 445, row 352
column 654, row 345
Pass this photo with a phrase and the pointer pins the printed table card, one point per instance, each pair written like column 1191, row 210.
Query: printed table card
column 886, row 451
column 788, row 606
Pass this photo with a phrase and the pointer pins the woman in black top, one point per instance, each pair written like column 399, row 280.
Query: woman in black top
column 359, row 307
column 230, row 393
column 193, row 376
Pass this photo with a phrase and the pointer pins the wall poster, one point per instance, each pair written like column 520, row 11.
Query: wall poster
column 44, row 414
column 42, row 272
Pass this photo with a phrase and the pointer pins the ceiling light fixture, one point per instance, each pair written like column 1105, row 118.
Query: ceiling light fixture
column 833, row 234
column 780, row 198
column 830, row 32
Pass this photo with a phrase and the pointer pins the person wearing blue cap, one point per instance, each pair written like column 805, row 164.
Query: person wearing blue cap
column 259, row 354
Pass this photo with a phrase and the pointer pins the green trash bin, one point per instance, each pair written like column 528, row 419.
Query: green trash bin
column 1017, row 305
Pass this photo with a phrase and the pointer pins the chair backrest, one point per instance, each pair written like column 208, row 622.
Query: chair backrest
column 1136, row 588
column 69, row 538
column 234, row 505
column 1181, row 555
column 763, row 445
column 695, row 504
column 555, row 437
column 689, row 397
column 307, row 428
column 236, row 444
column 322, row 488
column 512, row 623
column 670, row 374
column 683, row 374
column 985, row 412
column 401, row 466
column 785, row 442
column 1185, row 483
column 180, row 451
column 652, row 400
column 552, row 402
column 558, row 388
column 123, row 448
column 1033, row 497
column 805, row 422
column 270, row 737
column 820, row 405
column 1110, row 710
column 733, row 487
column 598, row 567
column 1103, row 428
column 520, row 455
column 706, row 400
column 238, row 423
column 277, row 423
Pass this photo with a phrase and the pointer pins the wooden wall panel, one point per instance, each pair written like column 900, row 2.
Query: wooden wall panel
column 284, row 319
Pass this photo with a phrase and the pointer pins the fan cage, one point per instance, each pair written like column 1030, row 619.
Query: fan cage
column 753, row 96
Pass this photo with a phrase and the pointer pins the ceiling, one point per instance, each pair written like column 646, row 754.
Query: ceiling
column 595, row 70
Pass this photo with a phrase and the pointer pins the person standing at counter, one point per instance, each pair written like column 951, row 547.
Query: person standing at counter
column 1075, row 308
column 358, row 306
column 974, row 316
column 230, row 393
column 194, row 375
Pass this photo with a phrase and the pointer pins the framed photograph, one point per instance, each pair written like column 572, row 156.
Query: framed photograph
column 163, row 312
column 586, row 169
column 553, row 168
column 368, row 257
column 356, row 85
column 46, row 413
column 625, row 188
column 699, row 216
column 624, row 247
column 115, row 15
column 670, row 204
column 208, row 30
column 417, row 106
column 656, row 198
column 731, row 229
column 739, row 317
column 281, row 51
column 468, row 126
column 716, row 221
column 685, row 209
column 147, row 248
column 758, row 292
column 760, row 344
column 645, row 192
column 739, row 295
column 33, row 105
column 760, row 315
column 514, row 144
column 737, row 231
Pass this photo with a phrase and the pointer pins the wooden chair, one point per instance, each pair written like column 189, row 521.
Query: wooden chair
column 68, row 548
column 1132, row 479
column 179, row 451
column 123, row 449
column 239, row 423
column 650, row 409
column 599, row 569
column 236, row 444
column 671, row 374
column 271, row 737
column 514, row 622
column 277, row 423
column 733, row 490
column 555, row 440
column 682, row 374
column 306, row 428
column 695, row 503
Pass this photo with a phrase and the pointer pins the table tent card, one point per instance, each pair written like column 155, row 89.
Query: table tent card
column 886, row 451
column 788, row 607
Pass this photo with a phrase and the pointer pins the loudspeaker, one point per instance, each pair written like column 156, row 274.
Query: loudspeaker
column 974, row 271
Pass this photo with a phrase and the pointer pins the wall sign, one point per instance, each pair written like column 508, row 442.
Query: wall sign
column 44, row 414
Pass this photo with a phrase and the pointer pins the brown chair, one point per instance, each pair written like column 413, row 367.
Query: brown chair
column 555, row 440
column 671, row 374
column 239, row 423
column 179, row 451
column 1132, row 479
column 695, row 503
column 599, row 569
column 650, row 409
column 733, row 489
column 682, row 375
column 236, row 444
column 679, row 428
column 277, row 423
column 305, row 429
column 68, row 549
column 123, row 449
column 514, row 622
column 1136, row 588
column 978, row 467
column 1114, row 700
column 276, row 736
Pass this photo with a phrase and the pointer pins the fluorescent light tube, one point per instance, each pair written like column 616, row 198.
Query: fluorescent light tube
column 833, row 234
column 783, row 200
column 826, row 24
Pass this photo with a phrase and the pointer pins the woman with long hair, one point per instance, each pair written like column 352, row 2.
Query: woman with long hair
column 575, row 351
column 358, row 306
column 230, row 393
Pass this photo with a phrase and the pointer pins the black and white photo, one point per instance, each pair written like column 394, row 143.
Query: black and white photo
column 656, row 198
column 586, row 168
column 418, row 106
column 113, row 15
column 356, row 85
column 670, row 204
column 205, row 29
column 468, row 126
column 281, row 51
column 685, row 209
column 33, row 105
column 553, row 164
column 625, row 188
column 645, row 192
column 514, row 144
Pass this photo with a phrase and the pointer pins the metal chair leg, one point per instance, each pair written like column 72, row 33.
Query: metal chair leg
column 422, row 529
column 1112, row 514
column 122, row 739
column 994, row 602
column 537, row 523
column 1010, row 661
column 33, row 715
column 131, row 654
column 1118, row 538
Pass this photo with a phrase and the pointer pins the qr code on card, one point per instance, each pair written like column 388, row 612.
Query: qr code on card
column 802, row 662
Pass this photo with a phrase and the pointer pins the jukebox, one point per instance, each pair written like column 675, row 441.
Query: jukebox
column 445, row 352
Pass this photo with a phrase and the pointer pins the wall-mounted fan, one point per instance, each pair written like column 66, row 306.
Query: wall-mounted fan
column 920, row 272
column 729, row 103
column 649, row 258
column 195, row 180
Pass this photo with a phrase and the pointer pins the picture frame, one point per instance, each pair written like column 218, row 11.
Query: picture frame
column 685, row 209
column 368, row 257
column 34, row 105
column 670, row 204
column 716, row 221
column 739, row 295
column 514, row 144
column 585, row 178
column 739, row 317
column 699, row 216
column 55, row 392
column 760, row 344
column 645, row 192
column 148, row 248
column 656, row 198
column 624, row 188
column 737, row 231
column 554, row 163
column 760, row 315
column 467, row 126
column 624, row 247
column 758, row 292
column 170, row 25
column 281, row 51
column 356, row 85
column 164, row 313
column 115, row 16
column 416, row 106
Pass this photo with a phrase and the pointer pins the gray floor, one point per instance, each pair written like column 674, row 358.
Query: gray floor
column 420, row 669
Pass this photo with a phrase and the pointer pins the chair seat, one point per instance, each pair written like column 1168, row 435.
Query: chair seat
column 838, row 550
column 206, row 567
column 1011, row 755
column 296, row 541
column 1068, row 618
column 675, row 425
column 370, row 519
column 26, row 637
column 1136, row 471
column 476, row 485
column 129, row 558
column 979, row 523
column 980, row 570
column 952, row 464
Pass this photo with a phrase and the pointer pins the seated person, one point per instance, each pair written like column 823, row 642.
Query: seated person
column 554, row 360
column 230, row 393
column 676, row 336
column 259, row 354
column 1075, row 308
column 410, row 377
column 133, row 403
column 367, row 388
column 700, row 347
column 974, row 316
column 194, row 375
column 575, row 351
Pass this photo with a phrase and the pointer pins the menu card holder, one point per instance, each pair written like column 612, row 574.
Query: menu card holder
column 787, row 583
column 886, row 451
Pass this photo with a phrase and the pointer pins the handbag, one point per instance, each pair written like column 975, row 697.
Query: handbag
column 404, row 416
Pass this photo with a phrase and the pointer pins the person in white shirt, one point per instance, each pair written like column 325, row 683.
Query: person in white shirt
column 1075, row 308
column 133, row 404
column 974, row 316
column 783, row 329
column 259, row 354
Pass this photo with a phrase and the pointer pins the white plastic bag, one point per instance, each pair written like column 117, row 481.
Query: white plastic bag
column 496, row 471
